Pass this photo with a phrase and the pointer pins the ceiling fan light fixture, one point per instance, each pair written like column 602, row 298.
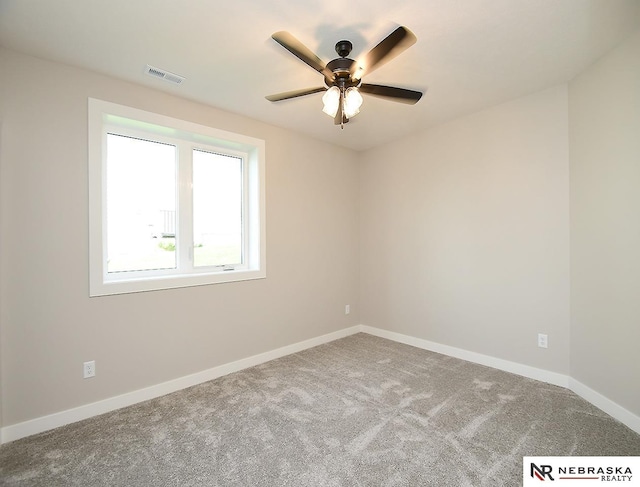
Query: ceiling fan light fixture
column 342, row 76
column 352, row 102
column 331, row 100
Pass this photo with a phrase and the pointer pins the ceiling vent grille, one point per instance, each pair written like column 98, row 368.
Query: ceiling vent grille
column 164, row 75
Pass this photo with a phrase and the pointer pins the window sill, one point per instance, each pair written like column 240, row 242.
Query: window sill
column 107, row 288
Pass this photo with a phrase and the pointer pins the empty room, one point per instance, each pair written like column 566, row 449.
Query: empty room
column 319, row 243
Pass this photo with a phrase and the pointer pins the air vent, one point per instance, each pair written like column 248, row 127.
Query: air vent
column 164, row 75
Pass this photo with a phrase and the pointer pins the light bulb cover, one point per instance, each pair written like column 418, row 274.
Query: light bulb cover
column 352, row 102
column 331, row 100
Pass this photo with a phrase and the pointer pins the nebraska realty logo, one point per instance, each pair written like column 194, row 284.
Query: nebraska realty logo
column 580, row 471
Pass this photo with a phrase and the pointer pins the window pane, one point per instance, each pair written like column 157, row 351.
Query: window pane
column 141, row 204
column 217, row 209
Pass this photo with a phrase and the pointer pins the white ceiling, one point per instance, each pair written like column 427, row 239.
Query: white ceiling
column 470, row 54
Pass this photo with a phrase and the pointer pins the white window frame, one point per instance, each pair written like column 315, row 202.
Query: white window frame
column 106, row 117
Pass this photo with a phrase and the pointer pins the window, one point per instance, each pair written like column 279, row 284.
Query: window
column 171, row 203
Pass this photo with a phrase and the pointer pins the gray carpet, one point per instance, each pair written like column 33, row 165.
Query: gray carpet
column 360, row 411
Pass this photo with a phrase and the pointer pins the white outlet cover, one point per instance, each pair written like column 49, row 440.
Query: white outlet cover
column 89, row 369
column 543, row 340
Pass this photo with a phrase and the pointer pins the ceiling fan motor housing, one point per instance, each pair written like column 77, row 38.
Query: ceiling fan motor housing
column 342, row 69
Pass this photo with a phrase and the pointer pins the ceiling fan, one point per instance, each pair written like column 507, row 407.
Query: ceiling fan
column 343, row 76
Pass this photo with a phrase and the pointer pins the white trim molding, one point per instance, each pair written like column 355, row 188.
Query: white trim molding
column 477, row 358
column 45, row 423
column 613, row 409
column 598, row 400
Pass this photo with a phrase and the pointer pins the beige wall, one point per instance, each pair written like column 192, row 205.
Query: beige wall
column 464, row 233
column 604, row 108
column 49, row 323
column 458, row 235
column 3, row 207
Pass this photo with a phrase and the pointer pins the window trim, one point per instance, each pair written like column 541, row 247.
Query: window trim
column 103, row 116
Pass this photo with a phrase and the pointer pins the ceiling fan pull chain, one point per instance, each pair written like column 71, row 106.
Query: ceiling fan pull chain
column 342, row 107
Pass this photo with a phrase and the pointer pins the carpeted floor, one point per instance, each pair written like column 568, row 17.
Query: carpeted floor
column 360, row 411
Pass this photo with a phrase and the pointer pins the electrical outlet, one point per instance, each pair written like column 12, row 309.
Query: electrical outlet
column 347, row 309
column 543, row 340
column 89, row 369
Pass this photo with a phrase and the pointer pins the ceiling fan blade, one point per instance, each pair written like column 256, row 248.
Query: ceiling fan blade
column 392, row 93
column 294, row 94
column 298, row 49
column 392, row 45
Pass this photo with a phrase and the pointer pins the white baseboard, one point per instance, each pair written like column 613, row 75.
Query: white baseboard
column 478, row 358
column 598, row 400
column 613, row 409
column 45, row 423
